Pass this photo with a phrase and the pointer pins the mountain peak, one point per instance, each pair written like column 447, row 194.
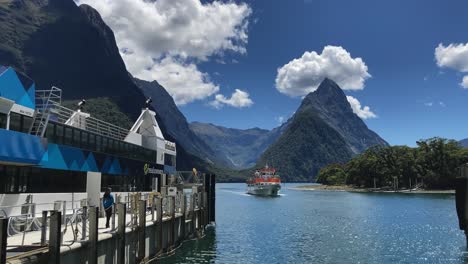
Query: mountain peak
column 329, row 87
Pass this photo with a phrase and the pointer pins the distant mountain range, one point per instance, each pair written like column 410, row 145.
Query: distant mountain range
column 464, row 142
column 241, row 147
column 323, row 130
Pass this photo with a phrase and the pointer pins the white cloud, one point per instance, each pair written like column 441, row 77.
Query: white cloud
column 442, row 104
column 429, row 104
column 239, row 99
column 303, row 75
column 453, row 56
column 163, row 33
column 362, row 112
column 464, row 82
column 183, row 81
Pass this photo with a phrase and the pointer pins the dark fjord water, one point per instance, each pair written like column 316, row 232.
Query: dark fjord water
column 328, row 227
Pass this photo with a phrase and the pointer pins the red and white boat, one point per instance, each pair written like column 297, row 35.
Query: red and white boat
column 264, row 183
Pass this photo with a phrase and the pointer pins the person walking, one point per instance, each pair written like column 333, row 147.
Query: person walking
column 108, row 202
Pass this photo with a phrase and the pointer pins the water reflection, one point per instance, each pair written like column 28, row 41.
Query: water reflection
column 328, row 227
column 195, row 251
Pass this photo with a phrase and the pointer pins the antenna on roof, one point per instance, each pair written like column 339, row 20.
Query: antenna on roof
column 148, row 102
column 81, row 104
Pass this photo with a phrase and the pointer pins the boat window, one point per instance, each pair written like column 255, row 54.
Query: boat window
column 15, row 122
column 76, row 138
column 3, row 120
column 50, row 133
column 85, row 140
column 26, row 123
column 98, row 143
column 91, row 141
column 59, row 134
column 68, row 136
column 169, row 160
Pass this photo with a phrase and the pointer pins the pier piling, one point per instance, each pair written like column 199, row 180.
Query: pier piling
column 141, row 229
column 84, row 221
column 122, row 212
column 93, row 234
column 3, row 238
column 55, row 236
column 44, row 228
column 159, row 232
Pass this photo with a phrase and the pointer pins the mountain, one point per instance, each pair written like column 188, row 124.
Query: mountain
column 176, row 124
column 464, row 142
column 323, row 130
column 56, row 42
column 240, row 146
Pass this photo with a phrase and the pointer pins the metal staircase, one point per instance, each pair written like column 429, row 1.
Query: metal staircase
column 46, row 101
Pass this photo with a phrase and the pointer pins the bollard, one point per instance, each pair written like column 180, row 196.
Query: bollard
column 3, row 239
column 43, row 228
column 122, row 211
column 141, row 229
column 55, row 236
column 84, row 221
column 93, row 234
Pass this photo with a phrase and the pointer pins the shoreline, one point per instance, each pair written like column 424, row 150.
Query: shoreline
column 347, row 188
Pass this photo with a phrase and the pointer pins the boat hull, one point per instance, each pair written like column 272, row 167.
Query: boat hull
column 264, row 190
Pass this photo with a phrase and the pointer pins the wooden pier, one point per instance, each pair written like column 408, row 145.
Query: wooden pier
column 143, row 228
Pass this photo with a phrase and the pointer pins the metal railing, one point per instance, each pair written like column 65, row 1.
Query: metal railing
column 74, row 118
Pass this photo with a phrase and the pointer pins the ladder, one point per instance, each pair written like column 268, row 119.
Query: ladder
column 46, row 100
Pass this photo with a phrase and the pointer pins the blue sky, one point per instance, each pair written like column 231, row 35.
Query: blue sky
column 396, row 39
column 412, row 96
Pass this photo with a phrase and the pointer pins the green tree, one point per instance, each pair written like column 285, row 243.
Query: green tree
column 333, row 174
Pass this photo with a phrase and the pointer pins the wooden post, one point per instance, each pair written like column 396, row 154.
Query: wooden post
column 93, row 234
column 171, row 241
column 122, row 211
column 194, row 215
column 84, row 221
column 43, row 228
column 113, row 216
column 153, row 205
column 205, row 209
column 3, row 239
column 141, row 229
column 159, row 217
column 182, row 218
column 54, row 236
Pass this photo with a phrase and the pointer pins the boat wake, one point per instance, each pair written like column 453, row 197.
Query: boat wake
column 236, row 192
